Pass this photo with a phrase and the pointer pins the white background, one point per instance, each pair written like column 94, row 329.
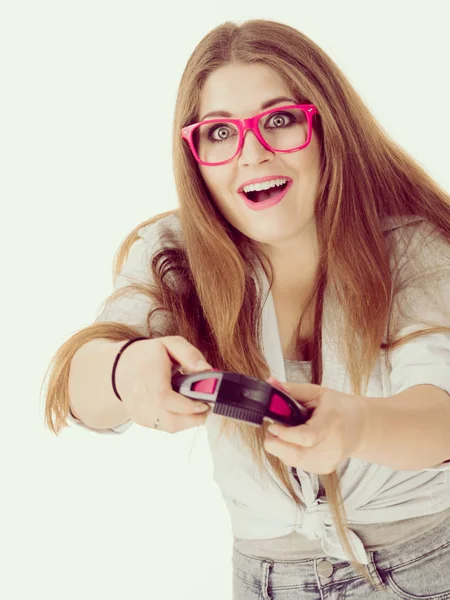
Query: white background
column 87, row 96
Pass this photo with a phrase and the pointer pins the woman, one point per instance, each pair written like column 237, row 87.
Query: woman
column 308, row 246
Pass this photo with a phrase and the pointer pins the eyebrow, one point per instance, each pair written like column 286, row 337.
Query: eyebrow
column 264, row 105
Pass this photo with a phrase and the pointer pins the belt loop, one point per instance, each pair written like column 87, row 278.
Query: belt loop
column 373, row 570
column 266, row 565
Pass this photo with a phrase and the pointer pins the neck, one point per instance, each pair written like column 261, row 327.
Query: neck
column 295, row 265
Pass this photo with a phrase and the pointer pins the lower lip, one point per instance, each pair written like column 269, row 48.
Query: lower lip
column 266, row 203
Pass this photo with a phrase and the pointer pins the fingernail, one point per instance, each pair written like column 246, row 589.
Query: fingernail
column 199, row 408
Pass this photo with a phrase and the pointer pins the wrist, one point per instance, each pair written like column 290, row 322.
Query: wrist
column 363, row 426
column 119, row 361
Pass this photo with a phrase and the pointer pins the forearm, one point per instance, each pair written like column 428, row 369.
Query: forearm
column 92, row 398
column 408, row 431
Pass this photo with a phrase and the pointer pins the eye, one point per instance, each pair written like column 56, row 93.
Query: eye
column 280, row 119
column 219, row 133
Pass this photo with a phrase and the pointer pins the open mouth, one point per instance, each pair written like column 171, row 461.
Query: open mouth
column 261, row 195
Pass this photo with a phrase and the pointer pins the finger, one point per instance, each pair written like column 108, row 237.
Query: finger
column 178, row 404
column 290, row 454
column 156, row 374
column 307, row 394
column 172, row 423
column 181, row 352
column 318, row 427
column 301, row 435
column 322, row 462
column 194, row 421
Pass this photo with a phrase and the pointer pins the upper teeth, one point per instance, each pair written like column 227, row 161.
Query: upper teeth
column 265, row 185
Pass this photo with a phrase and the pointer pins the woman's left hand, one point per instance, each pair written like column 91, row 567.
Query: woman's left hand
column 335, row 431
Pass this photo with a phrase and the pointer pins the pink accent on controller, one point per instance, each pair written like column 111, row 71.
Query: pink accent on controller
column 207, row 385
column 279, row 406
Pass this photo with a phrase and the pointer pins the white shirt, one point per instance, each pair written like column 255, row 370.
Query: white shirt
column 261, row 509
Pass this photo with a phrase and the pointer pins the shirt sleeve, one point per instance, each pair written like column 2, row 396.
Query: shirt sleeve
column 423, row 301
column 74, row 422
column 131, row 309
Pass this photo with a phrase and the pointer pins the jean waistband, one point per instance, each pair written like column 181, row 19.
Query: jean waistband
column 297, row 571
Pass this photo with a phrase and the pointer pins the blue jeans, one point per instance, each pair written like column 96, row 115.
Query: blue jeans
column 417, row 569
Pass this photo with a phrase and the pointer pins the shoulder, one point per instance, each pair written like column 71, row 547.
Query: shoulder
column 145, row 241
column 408, row 228
column 391, row 223
column 413, row 238
column 163, row 232
column 420, row 266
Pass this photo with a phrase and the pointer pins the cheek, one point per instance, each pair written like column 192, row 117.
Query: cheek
column 307, row 161
column 314, row 156
column 217, row 183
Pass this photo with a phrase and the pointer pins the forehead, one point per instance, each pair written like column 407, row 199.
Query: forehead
column 241, row 89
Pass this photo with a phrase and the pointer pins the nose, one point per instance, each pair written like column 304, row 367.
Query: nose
column 252, row 151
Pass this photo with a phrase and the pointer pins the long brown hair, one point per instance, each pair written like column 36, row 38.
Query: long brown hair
column 365, row 178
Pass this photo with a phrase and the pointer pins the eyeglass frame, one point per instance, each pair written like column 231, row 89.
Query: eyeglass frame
column 250, row 124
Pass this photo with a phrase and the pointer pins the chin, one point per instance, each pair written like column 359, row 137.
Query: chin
column 268, row 238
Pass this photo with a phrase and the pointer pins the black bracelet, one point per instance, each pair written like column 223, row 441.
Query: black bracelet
column 113, row 374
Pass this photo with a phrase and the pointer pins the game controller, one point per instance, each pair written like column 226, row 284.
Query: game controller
column 241, row 397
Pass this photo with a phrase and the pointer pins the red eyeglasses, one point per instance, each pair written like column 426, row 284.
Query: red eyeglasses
column 282, row 129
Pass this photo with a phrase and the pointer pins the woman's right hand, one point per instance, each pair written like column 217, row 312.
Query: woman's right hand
column 144, row 382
